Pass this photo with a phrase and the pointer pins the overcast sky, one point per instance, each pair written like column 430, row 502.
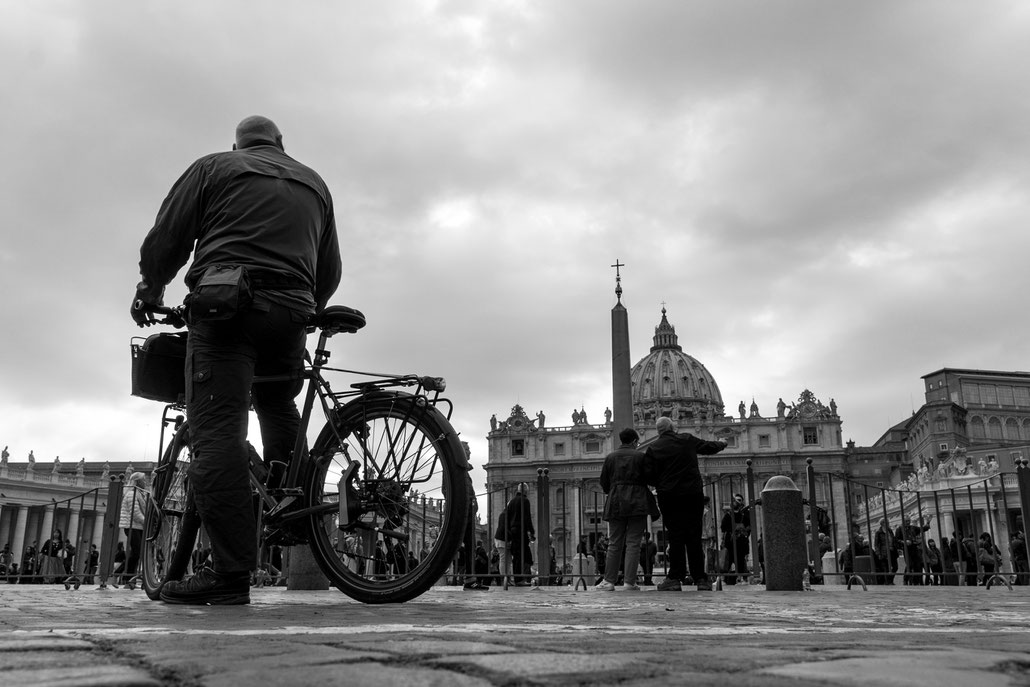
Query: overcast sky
column 826, row 196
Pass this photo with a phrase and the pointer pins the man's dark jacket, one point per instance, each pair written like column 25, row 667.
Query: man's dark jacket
column 672, row 462
column 255, row 206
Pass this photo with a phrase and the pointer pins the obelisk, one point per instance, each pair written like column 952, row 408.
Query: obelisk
column 622, row 389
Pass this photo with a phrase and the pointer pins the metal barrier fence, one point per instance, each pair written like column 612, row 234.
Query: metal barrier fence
column 980, row 524
column 846, row 542
column 67, row 552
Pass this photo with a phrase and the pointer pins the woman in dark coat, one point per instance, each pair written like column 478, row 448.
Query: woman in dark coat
column 624, row 480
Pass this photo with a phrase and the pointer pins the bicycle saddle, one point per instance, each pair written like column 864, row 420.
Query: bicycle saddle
column 339, row 319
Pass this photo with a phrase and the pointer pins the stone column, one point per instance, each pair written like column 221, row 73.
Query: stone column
column 21, row 521
column 72, row 534
column 303, row 571
column 98, row 529
column 48, row 523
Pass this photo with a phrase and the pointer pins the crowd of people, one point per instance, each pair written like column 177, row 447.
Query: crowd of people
column 959, row 560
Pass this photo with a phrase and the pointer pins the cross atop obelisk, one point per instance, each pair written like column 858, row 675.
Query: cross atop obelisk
column 618, row 279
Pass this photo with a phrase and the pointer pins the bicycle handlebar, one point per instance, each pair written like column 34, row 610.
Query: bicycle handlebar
column 174, row 316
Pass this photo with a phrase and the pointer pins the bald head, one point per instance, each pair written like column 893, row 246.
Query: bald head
column 257, row 130
column 664, row 425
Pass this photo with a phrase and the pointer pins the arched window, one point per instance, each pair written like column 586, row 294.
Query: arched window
column 1011, row 429
column 994, row 429
column 976, row 428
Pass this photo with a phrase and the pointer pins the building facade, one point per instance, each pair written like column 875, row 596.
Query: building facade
column 37, row 498
column 667, row 382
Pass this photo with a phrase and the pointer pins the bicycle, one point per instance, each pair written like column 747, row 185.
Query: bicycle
column 355, row 487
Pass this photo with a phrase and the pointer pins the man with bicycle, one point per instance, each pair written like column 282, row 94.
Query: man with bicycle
column 266, row 257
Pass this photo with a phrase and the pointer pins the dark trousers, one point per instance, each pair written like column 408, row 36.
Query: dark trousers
column 222, row 358
column 135, row 541
column 913, row 566
column 682, row 514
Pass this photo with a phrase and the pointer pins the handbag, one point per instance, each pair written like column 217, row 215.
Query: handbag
column 220, row 293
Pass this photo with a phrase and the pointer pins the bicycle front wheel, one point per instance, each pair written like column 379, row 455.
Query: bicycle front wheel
column 171, row 523
column 404, row 476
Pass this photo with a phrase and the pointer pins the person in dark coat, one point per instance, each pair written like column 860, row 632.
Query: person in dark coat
column 626, row 510
column 671, row 464
column 736, row 530
column 517, row 519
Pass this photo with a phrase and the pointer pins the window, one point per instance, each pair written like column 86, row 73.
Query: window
column 810, row 435
column 559, row 449
column 989, row 394
column 763, row 441
column 1005, row 396
column 731, row 441
column 518, row 447
column 943, row 446
column 971, row 392
column 592, row 447
column 1022, row 396
column 976, row 428
column 879, row 485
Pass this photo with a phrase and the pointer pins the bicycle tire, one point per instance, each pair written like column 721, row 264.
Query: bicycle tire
column 171, row 523
column 402, row 443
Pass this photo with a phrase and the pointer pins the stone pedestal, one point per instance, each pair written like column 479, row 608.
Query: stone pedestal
column 830, row 569
column 783, row 535
column 303, row 571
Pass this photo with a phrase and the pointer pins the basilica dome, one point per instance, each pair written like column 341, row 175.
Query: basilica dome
column 667, row 381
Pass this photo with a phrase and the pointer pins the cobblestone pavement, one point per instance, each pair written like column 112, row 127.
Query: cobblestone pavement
column 523, row 636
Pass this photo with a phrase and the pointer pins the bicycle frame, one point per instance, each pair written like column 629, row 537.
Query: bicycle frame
column 277, row 501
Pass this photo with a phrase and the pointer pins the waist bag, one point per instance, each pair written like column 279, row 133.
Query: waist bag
column 220, row 293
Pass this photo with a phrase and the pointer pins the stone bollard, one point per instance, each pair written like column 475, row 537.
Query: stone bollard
column 783, row 535
column 303, row 571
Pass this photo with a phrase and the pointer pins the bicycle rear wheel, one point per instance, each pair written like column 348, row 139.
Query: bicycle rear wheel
column 171, row 524
column 393, row 543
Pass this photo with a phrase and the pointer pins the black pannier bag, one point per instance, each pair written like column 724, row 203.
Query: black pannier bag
column 159, row 367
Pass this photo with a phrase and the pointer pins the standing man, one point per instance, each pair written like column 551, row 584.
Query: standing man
column 517, row 520
column 258, row 209
column 736, row 529
column 911, row 538
column 672, row 463
column 885, row 553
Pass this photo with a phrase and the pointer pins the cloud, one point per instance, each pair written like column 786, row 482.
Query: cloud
column 826, row 197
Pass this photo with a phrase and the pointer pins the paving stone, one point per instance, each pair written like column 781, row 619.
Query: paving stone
column 431, row 647
column 743, row 636
column 37, row 643
column 908, row 669
column 80, row 676
column 529, row 665
column 42, row 658
column 363, row 674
